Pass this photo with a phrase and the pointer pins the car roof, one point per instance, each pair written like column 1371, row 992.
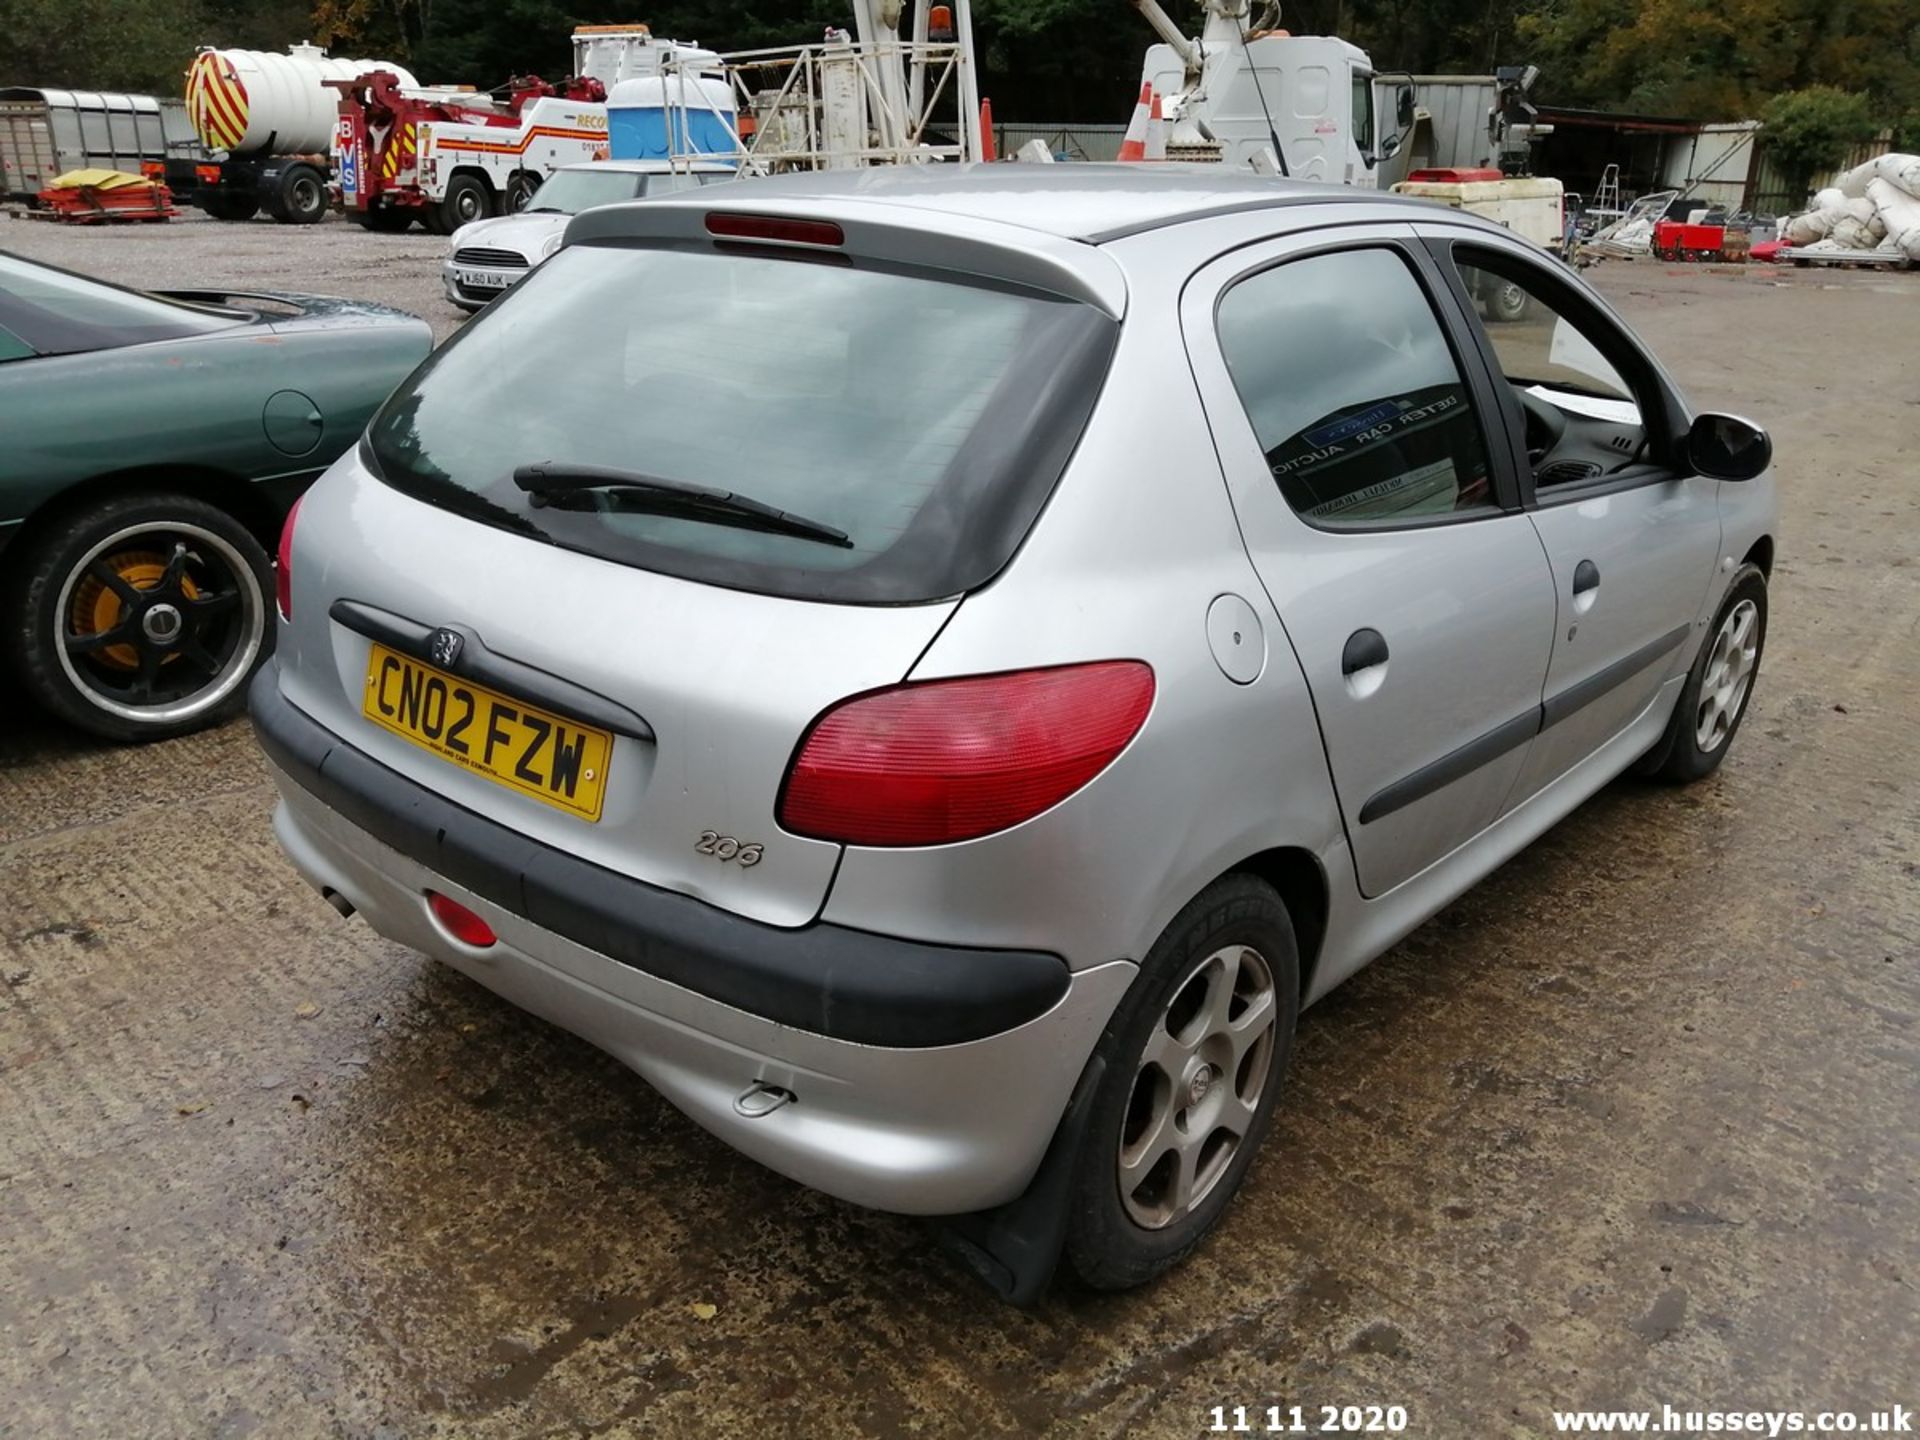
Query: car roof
column 1072, row 200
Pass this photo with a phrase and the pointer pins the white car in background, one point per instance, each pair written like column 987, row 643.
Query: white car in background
column 485, row 258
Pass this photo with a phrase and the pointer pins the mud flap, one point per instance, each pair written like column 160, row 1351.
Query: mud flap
column 1016, row 1247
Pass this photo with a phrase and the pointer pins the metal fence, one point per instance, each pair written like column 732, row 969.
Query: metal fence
column 1771, row 193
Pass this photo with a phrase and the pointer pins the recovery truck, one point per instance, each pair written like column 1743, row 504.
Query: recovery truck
column 449, row 157
column 446, row 158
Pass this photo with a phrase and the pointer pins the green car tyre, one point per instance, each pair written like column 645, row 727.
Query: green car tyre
column 142, row 615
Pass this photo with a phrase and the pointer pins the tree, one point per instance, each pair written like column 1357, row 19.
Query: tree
column 1721, row 59
column 97, row 44
column 1810, row 130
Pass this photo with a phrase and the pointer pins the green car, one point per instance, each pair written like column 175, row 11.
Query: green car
column 150, row 448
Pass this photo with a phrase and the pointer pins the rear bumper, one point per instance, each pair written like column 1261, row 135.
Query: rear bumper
column 929, row 1080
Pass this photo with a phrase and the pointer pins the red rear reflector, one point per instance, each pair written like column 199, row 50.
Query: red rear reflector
column 936, row 761
column 729, row 225
column 209, row 174
column 460, row 922
column 283, row 565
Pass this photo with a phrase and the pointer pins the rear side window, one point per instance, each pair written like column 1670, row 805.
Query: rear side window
column 1354, row 392
column 57, row 313
column 925, row 416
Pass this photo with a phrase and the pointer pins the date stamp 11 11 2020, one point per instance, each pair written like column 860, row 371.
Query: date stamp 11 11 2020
column 1306, row 1420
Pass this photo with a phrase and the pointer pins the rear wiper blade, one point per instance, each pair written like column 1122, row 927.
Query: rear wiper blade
column 547, row 482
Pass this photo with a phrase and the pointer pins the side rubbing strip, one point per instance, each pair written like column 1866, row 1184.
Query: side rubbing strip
column 1517, row 731
column 1585, row 692
column 1449, row 768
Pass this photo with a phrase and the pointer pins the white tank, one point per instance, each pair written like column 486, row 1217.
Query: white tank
column 241, row 101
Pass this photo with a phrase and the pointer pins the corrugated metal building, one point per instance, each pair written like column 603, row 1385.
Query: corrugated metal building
column 1713, row 164
column 1449, row 125
column 1772, row 193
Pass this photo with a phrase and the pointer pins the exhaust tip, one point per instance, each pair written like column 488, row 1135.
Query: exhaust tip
column 337, row 901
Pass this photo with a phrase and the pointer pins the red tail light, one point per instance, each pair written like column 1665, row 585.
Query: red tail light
column 460, row 922
column 937, row 761
column 283, row 565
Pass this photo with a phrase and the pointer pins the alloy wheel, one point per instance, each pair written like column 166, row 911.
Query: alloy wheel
column 1202, row 1075
column 159, row 622
column 1728, row 676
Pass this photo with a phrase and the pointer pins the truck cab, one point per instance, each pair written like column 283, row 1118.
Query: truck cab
column 1316, row 94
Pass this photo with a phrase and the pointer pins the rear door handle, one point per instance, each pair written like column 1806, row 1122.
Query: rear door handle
column 1364, row 650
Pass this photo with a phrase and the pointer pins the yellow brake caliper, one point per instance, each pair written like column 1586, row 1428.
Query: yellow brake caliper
column 97, row 608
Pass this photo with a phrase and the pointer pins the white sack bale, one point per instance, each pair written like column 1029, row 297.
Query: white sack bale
column 1812, row 226
column 1854, row 233
column 1853, row 184
column 1831, row 198
column 1902, row 171
column 1900, row 210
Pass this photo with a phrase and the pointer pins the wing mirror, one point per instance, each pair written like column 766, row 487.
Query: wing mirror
column 1403, row 107
column 1725, row 447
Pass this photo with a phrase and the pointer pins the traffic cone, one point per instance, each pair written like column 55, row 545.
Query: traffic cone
column 1134, row 147
column 1156, row 131
column 986, row 131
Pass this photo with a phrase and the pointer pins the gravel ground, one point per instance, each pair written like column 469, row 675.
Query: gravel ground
column 1636, row 1121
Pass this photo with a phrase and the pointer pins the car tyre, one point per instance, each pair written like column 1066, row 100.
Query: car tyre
column 1195, row 1056
column 1502, row 301
column 1714, row 700
column 467, row 199
column 519, row 192
column 301, row 198
column 141, row 616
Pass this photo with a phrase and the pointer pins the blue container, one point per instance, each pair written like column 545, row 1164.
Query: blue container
column 653, row 132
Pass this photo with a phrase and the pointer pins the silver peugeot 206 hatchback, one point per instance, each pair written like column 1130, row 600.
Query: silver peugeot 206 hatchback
column 936, row 668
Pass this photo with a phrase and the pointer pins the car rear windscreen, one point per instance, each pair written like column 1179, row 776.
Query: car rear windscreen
column 924, row 414
column 60, row 313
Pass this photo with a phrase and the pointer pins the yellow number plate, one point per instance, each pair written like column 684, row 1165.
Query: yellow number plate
column 508, row 741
